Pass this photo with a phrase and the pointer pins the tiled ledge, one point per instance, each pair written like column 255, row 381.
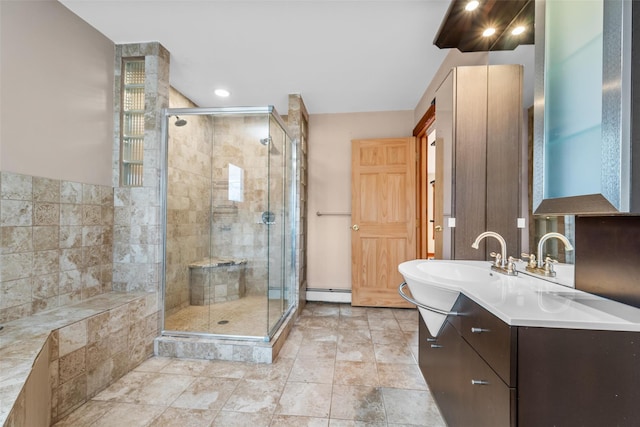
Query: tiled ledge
column 83, row 348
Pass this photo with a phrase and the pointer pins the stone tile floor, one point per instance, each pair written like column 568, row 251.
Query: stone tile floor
column 341, row 366
column 246, row 316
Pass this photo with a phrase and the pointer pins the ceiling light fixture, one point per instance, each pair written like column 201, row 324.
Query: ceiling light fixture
column 472, row 5
column 489, row 32
column 518, row 30
column 462, row 29
column 223, row 93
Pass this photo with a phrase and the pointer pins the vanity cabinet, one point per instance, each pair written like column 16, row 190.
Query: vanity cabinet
column 466, row 388
column 483, row 372
column 461, row 368
column 478, row 145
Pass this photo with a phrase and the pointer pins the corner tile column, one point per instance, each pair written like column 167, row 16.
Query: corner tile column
column 298, row 124
column 137, row 236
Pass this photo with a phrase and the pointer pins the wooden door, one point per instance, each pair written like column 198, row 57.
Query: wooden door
column 383, row 194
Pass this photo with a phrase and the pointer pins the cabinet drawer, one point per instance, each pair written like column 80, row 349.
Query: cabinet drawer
column 494, row 340
column 491, row 402
column 467, row 391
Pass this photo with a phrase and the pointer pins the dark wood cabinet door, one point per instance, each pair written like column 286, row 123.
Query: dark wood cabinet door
column 490, row 400
column 569, row 377
column 439, row 360
column 468, row 392
column 494, row 340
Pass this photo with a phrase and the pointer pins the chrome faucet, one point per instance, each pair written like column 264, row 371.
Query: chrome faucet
column 499, row 265
column 544, row 266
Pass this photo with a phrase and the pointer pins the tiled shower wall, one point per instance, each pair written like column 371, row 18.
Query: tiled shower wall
column 188, row 195
column 55, row 243
column 199, row 157
column 237, row 227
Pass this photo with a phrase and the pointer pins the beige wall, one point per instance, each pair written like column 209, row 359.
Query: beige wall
column 56, row 87
column 329, row 237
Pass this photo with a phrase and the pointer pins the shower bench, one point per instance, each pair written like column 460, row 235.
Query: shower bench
column 215, row 280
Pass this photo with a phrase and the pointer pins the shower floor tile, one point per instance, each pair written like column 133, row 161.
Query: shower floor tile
column 246, row 316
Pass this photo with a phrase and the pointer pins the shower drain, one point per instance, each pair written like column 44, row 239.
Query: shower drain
column 223, row 322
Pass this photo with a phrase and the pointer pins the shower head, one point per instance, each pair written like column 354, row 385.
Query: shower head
column 269, row 142
column 180, row 122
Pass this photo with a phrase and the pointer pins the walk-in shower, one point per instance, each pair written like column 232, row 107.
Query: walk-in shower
column 229, row 216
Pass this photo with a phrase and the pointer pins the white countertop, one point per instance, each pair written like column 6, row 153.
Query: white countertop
column 529, row 301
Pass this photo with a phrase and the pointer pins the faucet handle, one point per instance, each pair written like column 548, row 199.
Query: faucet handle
column 531, row 258
column 511, row 264
column 498, row 258
column 548, row 264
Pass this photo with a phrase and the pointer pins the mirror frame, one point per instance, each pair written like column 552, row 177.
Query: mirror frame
column 616, row 166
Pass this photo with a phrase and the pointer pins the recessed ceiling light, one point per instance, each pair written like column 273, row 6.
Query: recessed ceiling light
column 223, row 93
column 518, row 30
column 472, row 5
column 489, row 32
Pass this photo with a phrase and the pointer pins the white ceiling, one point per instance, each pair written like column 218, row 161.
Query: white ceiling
column 341, row 55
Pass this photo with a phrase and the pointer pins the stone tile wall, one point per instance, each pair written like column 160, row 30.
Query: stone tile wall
column 87, row 356
column 188, row 195
column 54, row 361
column 55, row 243
column 237, row 227
column 201, row 220
column 137, row 219
column 298, row 124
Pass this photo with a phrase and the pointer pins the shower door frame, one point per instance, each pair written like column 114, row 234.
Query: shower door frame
column 269, row 111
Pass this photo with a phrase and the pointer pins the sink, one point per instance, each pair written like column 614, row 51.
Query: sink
column 435, row 286
column 451, row 273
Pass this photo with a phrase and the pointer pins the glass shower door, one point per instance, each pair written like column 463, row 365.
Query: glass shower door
column 279, row 237
column 229, row 256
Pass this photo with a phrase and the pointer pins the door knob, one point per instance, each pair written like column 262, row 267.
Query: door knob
column 355, row 227
column 438, row 228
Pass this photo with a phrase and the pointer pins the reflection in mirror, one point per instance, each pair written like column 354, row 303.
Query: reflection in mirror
column 537, row 225
column 582, row 117
column 461, row 29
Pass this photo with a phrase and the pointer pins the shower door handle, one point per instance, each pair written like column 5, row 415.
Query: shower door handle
column 355, row 227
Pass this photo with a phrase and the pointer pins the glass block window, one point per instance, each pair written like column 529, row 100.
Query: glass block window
column 132, row 120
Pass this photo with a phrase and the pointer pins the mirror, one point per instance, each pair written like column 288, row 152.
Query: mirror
column 537, row 225
column 461, row 30
column 582, row 122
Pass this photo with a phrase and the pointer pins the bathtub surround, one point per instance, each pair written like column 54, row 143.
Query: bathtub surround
column 55, row 243
column 63, row 242
column 60, row 358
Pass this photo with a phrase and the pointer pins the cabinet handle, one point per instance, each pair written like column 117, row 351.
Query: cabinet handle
column 436, row 346
column 432, row 339
column 479, row 330
column 479, row 382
